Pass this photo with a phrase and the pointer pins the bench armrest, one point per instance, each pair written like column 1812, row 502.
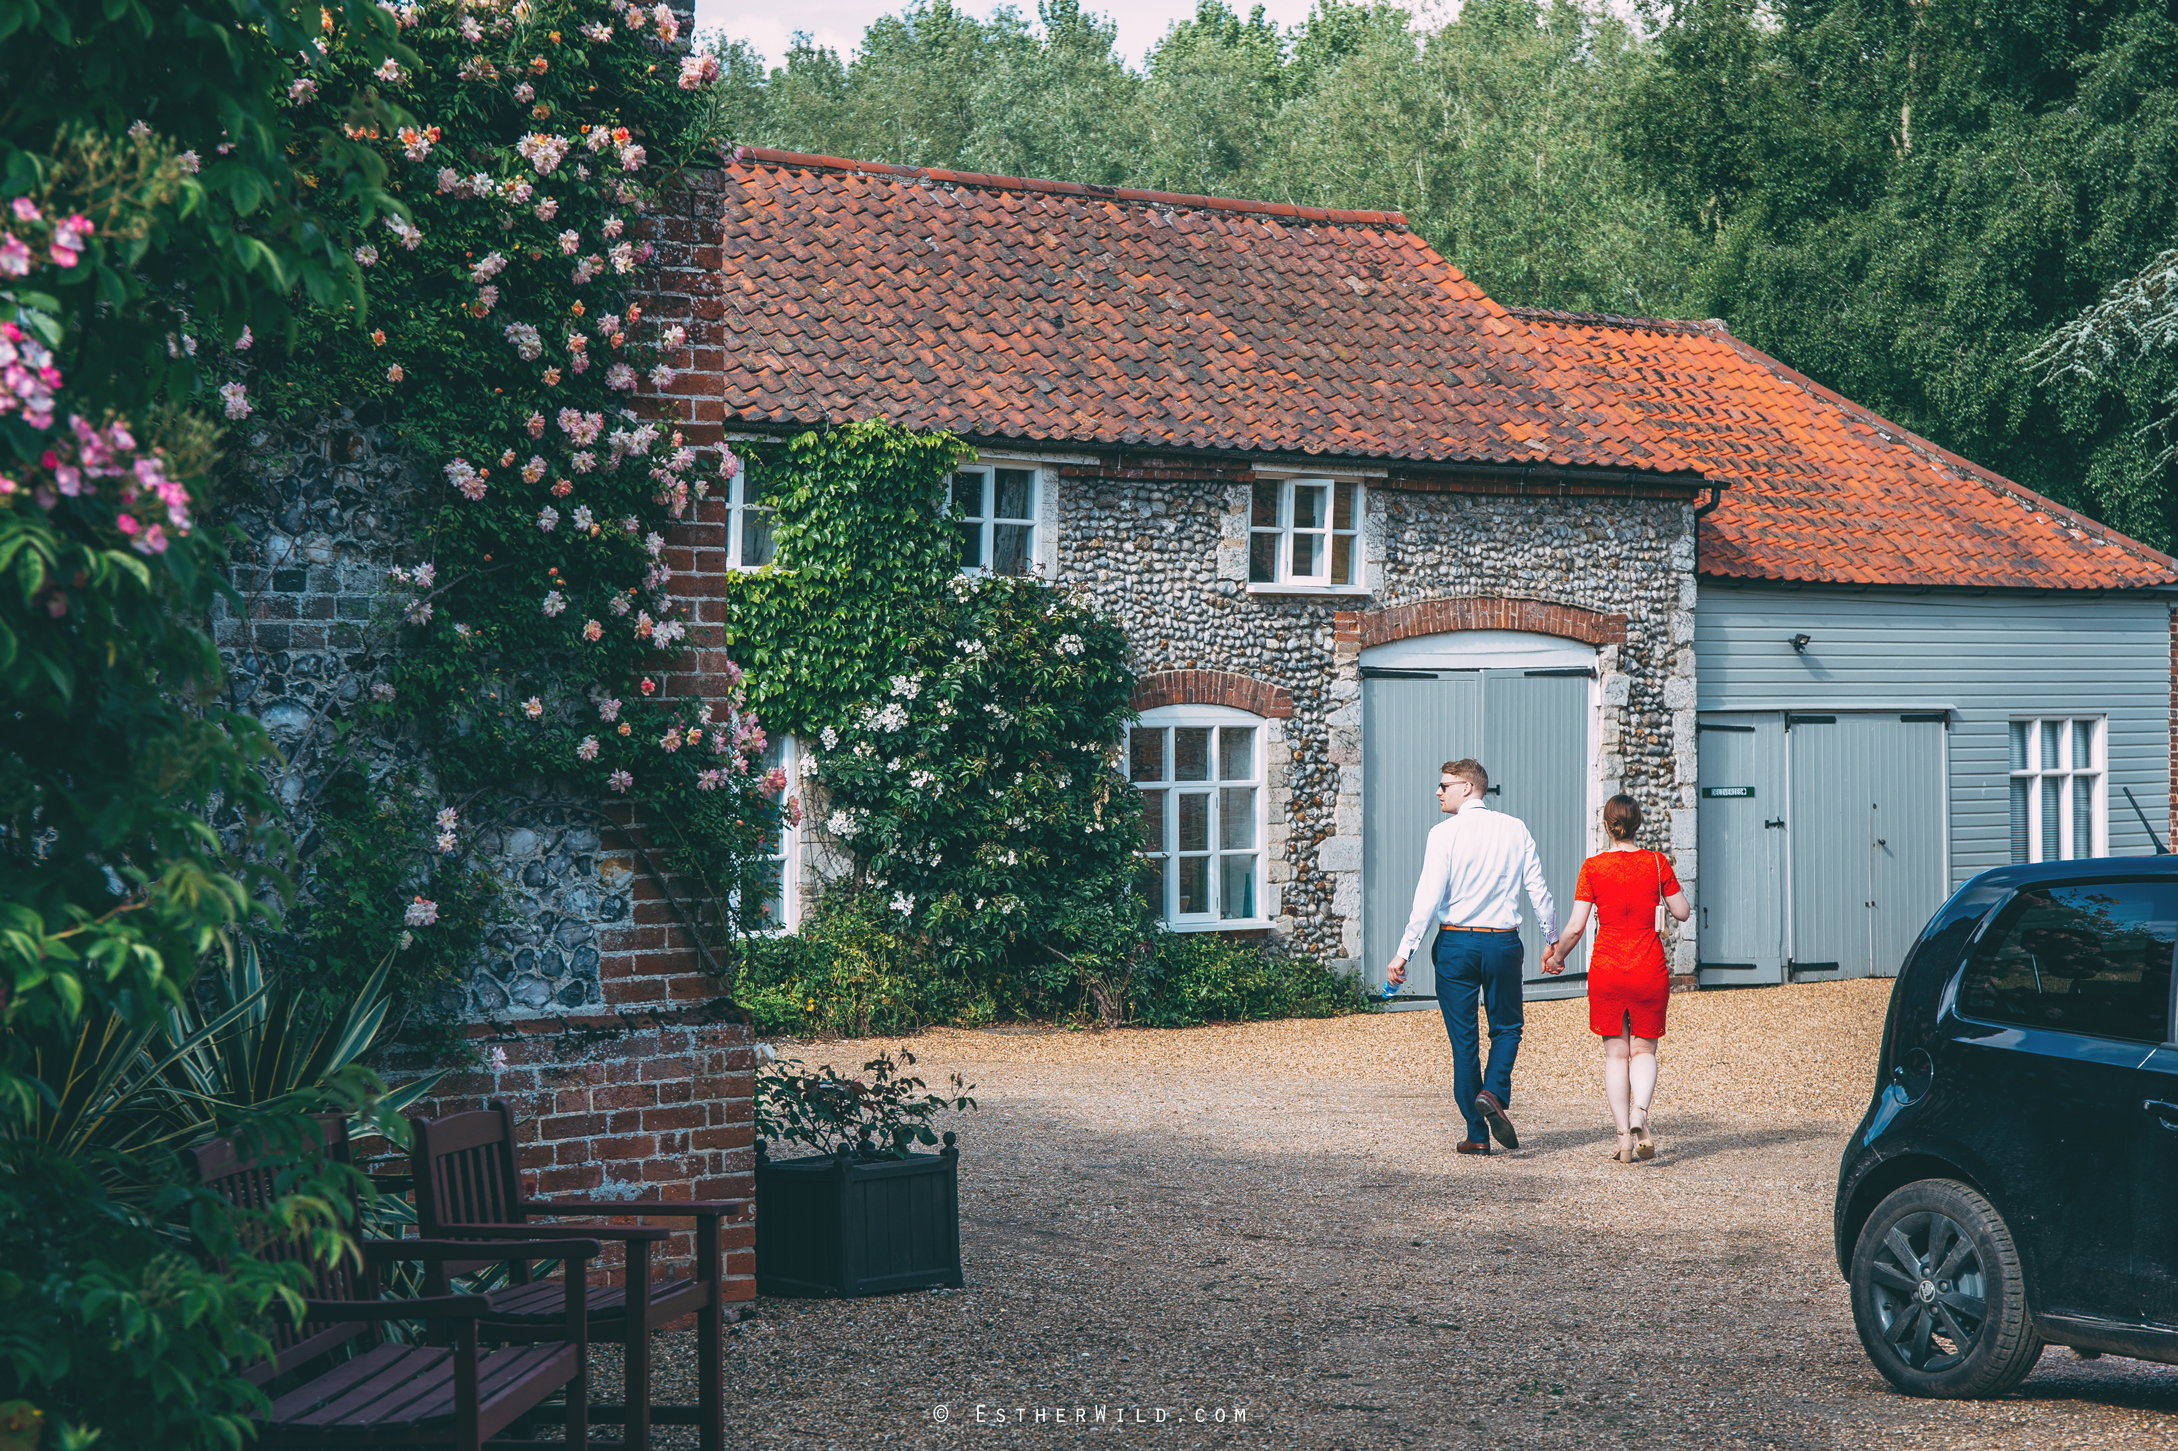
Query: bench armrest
column 614, row 1233
column 431, row 1307
column 506, row 1242
column 659, row 1208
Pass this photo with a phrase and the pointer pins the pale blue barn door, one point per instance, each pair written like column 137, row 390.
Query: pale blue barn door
column 1530, row 731
column 1535, row 733
column 1411, row 724
column 1866, row 839
column 1906, row 827
column 1740, row 890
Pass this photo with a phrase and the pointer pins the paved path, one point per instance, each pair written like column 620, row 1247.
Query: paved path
column 1268, row 1219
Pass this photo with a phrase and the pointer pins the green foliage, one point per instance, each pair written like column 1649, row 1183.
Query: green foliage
column 1204, row 978
column 369, row 858
column 859, row 524
column 1495, row 133
column 828, row 1111
column 225, row 206
column 99, row 1289
column 1904, row 201
column 977, row 787
column 849, row 970
column 963, row 731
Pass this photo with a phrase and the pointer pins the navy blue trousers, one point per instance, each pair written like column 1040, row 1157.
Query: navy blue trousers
column 1483, row 965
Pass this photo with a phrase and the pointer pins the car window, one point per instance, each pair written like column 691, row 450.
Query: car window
column 2092, row 958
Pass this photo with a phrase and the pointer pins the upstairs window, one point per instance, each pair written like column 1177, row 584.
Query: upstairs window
column 994, row 510
column 1304, row 532
column 1200, row 772
column 2058, row 805
column 748, row 529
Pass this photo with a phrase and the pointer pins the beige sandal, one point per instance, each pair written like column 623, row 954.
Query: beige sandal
column 1645, row 1143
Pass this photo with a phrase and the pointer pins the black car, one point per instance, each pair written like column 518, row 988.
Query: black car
column 2015, row 1182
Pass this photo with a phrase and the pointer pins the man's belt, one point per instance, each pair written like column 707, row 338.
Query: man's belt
column 1450, row 928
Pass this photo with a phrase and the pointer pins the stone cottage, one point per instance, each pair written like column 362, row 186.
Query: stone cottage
column 1350, row 522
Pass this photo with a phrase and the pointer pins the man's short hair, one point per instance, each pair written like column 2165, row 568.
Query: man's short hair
column 1468, row 770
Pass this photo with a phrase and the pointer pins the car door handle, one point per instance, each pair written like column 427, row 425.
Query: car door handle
column 2165, row 1113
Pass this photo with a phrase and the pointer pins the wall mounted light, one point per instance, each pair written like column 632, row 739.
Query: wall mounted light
column 1800, row 643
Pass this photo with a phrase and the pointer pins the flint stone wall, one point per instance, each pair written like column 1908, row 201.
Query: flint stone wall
column 590, row 1011
column 1162, row 548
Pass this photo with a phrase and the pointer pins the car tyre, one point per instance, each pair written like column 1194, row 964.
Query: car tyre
column 1938, row 1296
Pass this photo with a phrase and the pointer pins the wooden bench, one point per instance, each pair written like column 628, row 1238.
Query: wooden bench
column 467, row 1183
column 387, row 1393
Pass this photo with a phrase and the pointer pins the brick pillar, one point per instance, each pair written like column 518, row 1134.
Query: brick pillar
column 660, row 1112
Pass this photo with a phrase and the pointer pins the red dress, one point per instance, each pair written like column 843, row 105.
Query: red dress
column 1626, row 977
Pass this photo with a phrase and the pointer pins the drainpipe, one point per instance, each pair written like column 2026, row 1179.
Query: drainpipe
column 1716, row 497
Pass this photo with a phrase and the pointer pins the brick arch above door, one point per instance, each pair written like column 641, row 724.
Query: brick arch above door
column 1213, row 687
column 1477, row 612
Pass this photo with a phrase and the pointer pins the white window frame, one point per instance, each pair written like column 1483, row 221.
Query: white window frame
column 738, row 509
column 987, row 521
column 789, row 855
column 1213, row 716
column 2066, row 772
column 1283, row 531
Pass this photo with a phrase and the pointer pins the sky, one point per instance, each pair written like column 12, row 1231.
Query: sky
column 840, row 23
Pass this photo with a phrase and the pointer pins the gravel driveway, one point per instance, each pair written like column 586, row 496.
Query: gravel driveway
column 1268, row 1220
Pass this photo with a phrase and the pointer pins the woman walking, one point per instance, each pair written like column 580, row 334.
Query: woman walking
column 1628, row 889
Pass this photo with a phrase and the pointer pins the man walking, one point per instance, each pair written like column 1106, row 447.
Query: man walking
column 1472, row 873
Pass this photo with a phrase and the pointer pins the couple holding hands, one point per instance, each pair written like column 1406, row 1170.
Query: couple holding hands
column 1477, row 863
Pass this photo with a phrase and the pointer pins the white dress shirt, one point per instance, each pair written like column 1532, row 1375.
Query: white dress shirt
column 1472, row 873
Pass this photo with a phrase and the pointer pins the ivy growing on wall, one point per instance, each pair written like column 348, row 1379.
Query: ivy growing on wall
column 962, row 732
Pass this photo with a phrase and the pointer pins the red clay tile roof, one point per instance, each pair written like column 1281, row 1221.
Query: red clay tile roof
column 1049, row 312
column 1033, row 310
column 1822, row 490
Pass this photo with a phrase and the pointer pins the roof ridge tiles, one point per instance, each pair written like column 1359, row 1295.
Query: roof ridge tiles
column 1711, row 327
column 984, row 181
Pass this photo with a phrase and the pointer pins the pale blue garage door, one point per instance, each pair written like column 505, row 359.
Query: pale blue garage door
column 1529, row 728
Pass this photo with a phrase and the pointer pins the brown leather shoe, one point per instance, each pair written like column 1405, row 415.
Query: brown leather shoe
column 1472, row 1146
column 1493, row 1113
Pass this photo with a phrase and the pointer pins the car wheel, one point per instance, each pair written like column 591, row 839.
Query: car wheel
column 1937, row 1294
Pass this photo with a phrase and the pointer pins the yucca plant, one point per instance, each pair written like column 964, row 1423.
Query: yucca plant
column 274, row 1037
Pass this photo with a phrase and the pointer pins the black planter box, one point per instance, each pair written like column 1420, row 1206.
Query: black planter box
column 842, row 1224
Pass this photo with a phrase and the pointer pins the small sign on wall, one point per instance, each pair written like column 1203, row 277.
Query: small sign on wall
column 1733, row 792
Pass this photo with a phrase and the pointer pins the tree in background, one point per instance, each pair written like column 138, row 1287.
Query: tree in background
column 1493, row 132
column 1902, row 200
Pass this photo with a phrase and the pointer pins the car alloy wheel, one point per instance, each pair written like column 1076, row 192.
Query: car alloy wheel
column 1929, row 1293
column 1938, row 1296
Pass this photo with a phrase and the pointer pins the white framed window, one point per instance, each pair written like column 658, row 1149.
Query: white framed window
column 2060, row 803
column 1200, row 772
column 1304, row 533
column 994, row 509
column 782, row 905
column 748, row 524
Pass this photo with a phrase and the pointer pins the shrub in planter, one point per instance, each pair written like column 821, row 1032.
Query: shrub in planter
column 866, row 1214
